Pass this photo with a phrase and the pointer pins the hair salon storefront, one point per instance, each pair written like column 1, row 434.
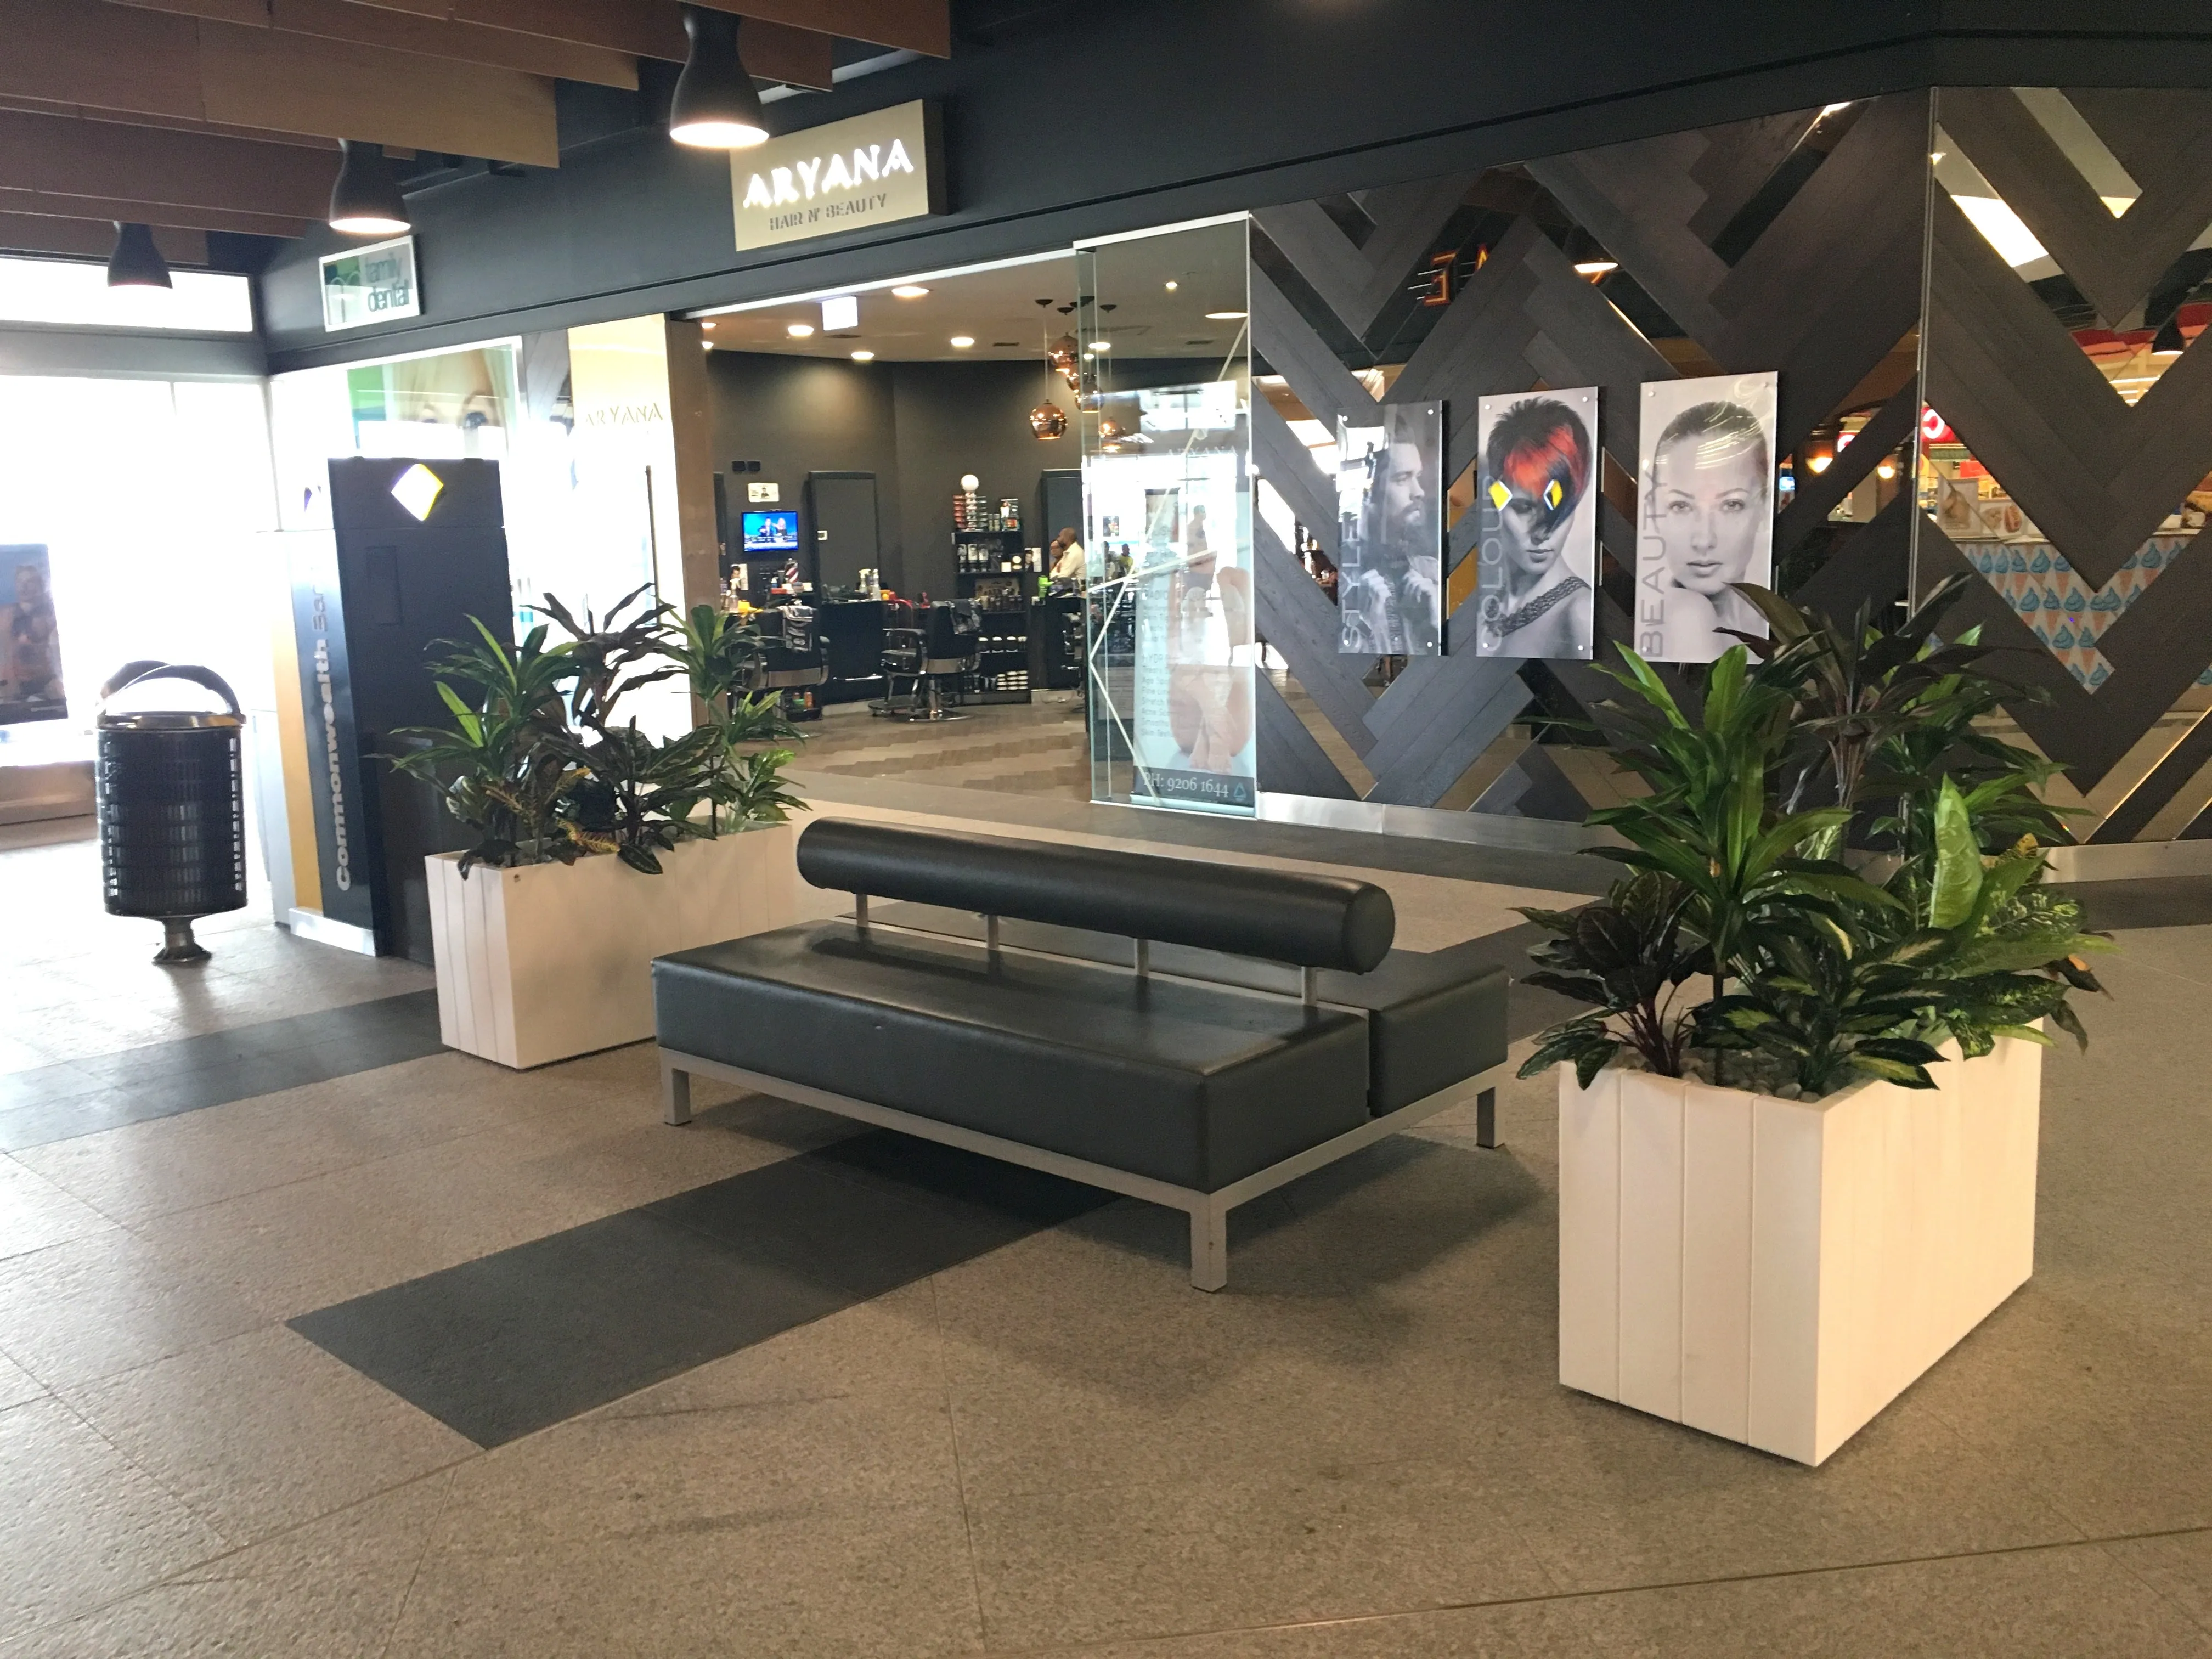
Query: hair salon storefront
column 1512, row 369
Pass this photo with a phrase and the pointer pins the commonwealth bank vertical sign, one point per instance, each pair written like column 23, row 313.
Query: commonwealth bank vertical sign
column 872, row 170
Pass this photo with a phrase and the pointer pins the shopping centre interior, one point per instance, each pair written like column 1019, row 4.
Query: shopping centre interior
column 856, row 829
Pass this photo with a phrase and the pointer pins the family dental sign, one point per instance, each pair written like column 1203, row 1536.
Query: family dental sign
column 849, row 175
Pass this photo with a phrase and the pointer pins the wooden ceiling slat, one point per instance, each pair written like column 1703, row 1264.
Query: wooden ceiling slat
column 95, row 207
column 109, row 57
column 263, row 77
column 644, row 28
column 35, row 232
column 169, row 123
column 922, row 26
column 56, row 156
column 254, row 14
column 469, row 43
column 775, row 51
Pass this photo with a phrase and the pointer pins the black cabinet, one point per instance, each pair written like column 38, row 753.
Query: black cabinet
column 993, row 568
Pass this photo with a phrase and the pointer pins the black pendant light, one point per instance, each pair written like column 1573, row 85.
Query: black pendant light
column 366, row 200
column 137, row 262
column 716, row 105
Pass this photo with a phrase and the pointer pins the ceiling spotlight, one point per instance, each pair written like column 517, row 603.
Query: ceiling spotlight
column 366, row 200
column 709, row 344
column 962, row 341
column 800, row 331
column 908, row 291
column 1100, row 345
column 716, row 105
column 709, row 323
column 136, row 263
column 1173, row 285
column 863, row 357
column 1224, row 316
column 1886, row 470
column 1596, row 267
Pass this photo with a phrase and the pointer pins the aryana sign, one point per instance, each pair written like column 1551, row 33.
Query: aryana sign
column 870, row 170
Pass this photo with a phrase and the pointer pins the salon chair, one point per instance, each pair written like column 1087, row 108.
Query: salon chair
column 932, row 659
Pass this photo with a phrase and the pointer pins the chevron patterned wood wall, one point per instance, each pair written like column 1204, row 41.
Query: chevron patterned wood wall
column 1800, row 243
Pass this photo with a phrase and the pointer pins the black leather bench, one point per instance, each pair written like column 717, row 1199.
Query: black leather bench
column 1193, row 1034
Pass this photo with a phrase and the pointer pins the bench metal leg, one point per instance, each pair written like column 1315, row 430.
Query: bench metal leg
column 675, row 1094
column 1486, row 1118
column 1209, row 1247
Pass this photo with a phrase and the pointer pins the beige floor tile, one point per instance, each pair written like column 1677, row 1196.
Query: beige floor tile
column 331, row 1590
column 265, row 1430
column 17, row 1385
column 79, row 1523
column 2066, row 1603
column 35, row 1212
column 1545, row 1629
column 2179, row 1566
column 1134, row 1561
column 109, row 1302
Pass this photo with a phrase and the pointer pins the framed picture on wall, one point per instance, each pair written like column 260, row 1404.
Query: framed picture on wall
column 1389, row 498
column 1537, row 551
column 1705, row 512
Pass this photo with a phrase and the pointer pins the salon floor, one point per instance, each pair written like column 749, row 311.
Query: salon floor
column 319, row 1339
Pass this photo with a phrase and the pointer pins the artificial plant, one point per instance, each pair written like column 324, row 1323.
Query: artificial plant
column 541, row 763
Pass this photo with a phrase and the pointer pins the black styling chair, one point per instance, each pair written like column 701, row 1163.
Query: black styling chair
column 934, row 659
column 794, row 662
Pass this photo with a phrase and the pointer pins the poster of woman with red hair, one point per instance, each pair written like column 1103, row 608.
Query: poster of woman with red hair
column 1537, row 546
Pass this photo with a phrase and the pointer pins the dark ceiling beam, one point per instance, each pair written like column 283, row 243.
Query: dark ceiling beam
column 169, row 123
column 800, row 56
column 922, row 26
column 56, row 157
column 93, row 238
column 110, row 57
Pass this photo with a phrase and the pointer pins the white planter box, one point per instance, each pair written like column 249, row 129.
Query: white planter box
column 551, row 960
column 1776, row 1271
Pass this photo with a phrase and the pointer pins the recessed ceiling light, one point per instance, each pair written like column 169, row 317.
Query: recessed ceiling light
column 800, row 331
column 962, row 341
column 908, row 291
column 1173, row 285
column 1596, row 267
column 863, row 357
column 709, row 323
column 709, row 344
column 1100, row 345
column 1224, row 316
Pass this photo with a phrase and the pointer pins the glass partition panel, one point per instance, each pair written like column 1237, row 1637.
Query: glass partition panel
column 1163, row 374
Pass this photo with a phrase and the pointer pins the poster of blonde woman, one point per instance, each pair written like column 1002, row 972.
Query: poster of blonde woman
column 1538, row 545
column 1704, row 512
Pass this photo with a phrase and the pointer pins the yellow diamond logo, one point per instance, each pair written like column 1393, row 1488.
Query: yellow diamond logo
column 1499, row 495
column 417, row 490
column 1553, row 495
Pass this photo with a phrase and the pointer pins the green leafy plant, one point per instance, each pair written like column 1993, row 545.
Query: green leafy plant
column 541, row 763
column 1629, row 956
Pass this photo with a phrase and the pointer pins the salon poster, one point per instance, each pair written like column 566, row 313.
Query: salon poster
column 1187, row 571
column 30, row 651
column 1706, row 504
column 1389, row 501
column 1535, row 489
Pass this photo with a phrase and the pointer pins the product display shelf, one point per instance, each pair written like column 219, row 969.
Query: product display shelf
column 993, row 569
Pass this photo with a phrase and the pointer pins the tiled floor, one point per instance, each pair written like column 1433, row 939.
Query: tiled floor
column 1027, row 1434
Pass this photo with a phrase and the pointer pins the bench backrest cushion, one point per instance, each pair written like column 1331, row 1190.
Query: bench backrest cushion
column 1306, row 920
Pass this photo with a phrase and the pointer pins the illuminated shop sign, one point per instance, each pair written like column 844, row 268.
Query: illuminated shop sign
column 874, row 169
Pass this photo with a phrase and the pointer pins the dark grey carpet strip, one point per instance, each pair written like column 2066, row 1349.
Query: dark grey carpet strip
column 514, row 1342
column 83, row 1097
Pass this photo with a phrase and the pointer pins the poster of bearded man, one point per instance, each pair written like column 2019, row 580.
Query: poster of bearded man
column 1537, row 549
column 1389, row 501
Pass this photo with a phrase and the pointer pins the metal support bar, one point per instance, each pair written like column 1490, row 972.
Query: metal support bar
column 860, row 911
column 991, row 934
column 1208, row 1212
column 1486, row 1118
column 1309, row 985
column 675, row 1092
column 1144, row 958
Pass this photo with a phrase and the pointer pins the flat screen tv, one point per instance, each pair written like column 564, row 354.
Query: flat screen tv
column 770, row 533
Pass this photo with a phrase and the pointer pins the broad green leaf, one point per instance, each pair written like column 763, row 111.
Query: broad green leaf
column 1958, row 878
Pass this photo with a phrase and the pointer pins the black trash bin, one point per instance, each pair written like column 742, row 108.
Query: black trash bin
column 170, row 788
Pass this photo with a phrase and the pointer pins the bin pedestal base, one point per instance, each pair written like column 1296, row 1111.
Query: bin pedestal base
column 178, row 948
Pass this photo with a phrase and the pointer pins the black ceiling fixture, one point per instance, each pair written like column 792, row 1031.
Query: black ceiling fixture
column 716, row 105
column 137, row 262
column 366, row 200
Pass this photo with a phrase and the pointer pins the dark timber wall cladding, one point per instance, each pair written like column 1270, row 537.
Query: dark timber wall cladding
column 1798, row 243
column 1821, row 279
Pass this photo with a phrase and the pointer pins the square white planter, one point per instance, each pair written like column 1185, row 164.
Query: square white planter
column 552, row 960
column 1776, row 1271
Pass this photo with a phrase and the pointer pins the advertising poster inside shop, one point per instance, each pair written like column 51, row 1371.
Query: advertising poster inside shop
column 1171, row 539
column 30, row 651
column 1705, row 472
column 1537, row 549
column 1389, row 502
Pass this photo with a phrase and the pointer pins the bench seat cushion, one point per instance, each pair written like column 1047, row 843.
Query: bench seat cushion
column 1194, row 1084
column 1435, row 1018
